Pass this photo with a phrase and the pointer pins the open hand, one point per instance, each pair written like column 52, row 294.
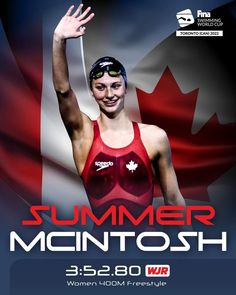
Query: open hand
column 72, row 26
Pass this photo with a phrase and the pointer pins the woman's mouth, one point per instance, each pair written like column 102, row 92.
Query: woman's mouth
column 110, row 103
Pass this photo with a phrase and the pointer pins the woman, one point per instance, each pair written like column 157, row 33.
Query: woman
column 115, row 157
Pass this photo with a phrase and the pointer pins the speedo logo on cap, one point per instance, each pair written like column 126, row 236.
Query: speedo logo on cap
column 105, row 63
column 103, row 165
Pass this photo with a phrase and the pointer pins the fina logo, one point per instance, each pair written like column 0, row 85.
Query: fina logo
column 203, row 13
column 185, row 18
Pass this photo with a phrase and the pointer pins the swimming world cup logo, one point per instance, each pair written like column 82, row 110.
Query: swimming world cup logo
column 185, row 18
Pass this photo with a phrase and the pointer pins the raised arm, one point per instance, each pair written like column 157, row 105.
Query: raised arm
column 70, row 26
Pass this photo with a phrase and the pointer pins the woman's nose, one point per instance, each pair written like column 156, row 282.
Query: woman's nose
column 109, row 93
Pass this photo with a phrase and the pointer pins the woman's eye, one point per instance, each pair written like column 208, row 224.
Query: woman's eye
column 100, row 88
column 116, row 86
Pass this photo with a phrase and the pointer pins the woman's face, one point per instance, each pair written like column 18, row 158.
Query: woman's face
column 109, row 93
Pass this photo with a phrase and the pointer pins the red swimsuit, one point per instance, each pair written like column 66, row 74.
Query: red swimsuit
column 118, row 176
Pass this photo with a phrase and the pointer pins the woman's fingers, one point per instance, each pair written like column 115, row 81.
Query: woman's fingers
column 69, row 10
column 77, row 10
column 72, row 25
column 82, row 29
column 81, row 17
column 87, row 19
column 84, row 13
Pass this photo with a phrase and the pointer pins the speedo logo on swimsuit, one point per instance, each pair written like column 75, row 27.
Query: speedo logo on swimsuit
column 103, row 165
column 105, row 63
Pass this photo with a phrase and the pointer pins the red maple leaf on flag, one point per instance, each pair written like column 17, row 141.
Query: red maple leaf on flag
column 199, row 159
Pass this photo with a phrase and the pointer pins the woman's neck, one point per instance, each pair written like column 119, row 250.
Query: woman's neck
column 122, row 121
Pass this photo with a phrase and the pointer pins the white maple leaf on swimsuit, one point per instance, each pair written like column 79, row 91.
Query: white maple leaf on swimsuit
column 132, row 166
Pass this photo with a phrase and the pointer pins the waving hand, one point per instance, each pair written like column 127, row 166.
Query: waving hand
column 72, row 25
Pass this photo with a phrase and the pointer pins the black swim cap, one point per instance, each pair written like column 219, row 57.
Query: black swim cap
column 107, row 64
